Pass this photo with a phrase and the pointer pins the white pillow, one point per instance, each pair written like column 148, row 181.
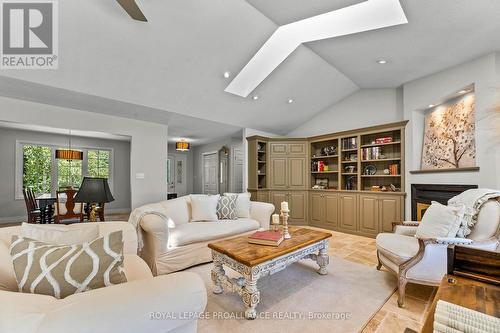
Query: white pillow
column 440, row 221
column 204, row 207
column 242, row 204
column 60, row 234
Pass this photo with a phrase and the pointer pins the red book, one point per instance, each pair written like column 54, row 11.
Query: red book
column 268, row 237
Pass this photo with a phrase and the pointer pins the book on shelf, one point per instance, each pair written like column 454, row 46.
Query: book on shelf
column 394, row 169
column 349, row 143
column 268, row 237
column 386, row 139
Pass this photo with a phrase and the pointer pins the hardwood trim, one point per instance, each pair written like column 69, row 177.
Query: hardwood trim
column 468, row 169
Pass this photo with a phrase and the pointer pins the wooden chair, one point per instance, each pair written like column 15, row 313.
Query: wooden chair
column 67, row 209
column 34, row 213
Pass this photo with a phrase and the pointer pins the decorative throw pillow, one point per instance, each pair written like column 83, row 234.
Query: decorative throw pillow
column 440, row 221
column 7, row 275
column 60, row 234
column 204, row 207
column 226, row 208
column 63, row 270
column 242, row 204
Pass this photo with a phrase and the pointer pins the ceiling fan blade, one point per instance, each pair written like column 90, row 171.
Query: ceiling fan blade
column 133, row 10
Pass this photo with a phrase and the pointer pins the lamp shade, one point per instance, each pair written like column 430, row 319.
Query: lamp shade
column 182, row 146
column 94, row 190
column 69, row 154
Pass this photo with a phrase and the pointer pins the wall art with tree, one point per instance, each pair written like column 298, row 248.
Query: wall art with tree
column 449, row 135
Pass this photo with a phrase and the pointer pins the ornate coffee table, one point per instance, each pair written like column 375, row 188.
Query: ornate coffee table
column 254, row 261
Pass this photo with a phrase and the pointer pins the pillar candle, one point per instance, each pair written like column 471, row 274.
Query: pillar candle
column 284, row 205
column 276, row 219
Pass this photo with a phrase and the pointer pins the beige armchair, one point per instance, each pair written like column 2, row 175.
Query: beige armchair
column 424, row 261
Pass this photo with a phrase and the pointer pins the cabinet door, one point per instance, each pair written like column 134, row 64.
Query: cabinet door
column 389, row 211
column 297, row 173
column 278, row 148
column 348, row 211
column 297, row 149
column 317, row 204
column 278, row 168
column 297, row 202
column 263, row 196
column 368, row 214
column 276, row 198
column 332, row 209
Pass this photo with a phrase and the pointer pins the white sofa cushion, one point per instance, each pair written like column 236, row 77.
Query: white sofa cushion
column 242, row 204
column 440, row 221
column 195, row 232
column 60, row 234
column 204, row 207
column 488, row 221
column 398, row 248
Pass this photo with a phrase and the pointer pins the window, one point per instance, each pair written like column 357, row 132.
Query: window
column 37, row 168
column 98, row 163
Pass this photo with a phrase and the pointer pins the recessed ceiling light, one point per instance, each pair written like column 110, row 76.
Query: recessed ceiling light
column 463, row 91
column 382, row 61
column 290, row 101
column 431, row 105
column 255, row 97
column 227, row 74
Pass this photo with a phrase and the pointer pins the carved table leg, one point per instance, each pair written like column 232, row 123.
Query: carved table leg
column 323, row 260
column 217, row 274
column 251, row 297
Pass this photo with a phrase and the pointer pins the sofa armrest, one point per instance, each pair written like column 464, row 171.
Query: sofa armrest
column 155, row 236
column 158, row 304
column 405, row 230
column 261, row 212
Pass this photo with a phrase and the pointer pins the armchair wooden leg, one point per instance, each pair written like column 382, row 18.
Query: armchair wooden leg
column 401, row 290
column 379, row 265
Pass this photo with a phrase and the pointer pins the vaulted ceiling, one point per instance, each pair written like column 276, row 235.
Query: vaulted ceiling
column 174, row 63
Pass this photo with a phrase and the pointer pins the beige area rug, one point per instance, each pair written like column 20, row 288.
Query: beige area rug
column 342, row 301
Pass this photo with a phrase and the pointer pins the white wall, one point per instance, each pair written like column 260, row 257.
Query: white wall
column 419, row 93
column 148, row 147
column 366, row 107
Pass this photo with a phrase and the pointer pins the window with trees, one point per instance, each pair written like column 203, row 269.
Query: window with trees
column 40, row 170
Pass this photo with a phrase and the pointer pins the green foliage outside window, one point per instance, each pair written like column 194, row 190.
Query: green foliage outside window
column 37, row 168
column 98, row 163
column 69, row 173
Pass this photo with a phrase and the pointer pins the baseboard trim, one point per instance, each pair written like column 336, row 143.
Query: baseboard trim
column 18, row 219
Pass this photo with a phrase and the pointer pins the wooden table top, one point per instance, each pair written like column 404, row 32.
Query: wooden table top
column 471, row 294
column 242, row 251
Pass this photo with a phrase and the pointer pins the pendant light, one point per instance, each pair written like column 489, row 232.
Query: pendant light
column 182, row 145
column 69, row 154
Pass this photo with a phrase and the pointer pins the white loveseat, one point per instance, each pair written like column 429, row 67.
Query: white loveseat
column 176, row 243
column 135, row 306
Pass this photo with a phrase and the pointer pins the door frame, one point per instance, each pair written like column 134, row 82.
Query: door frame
column 216, row 153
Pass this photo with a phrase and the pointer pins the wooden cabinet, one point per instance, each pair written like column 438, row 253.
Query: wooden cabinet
column 263, row 196
column 279, row 172
column 297, row 203
column 368, row 214
column 297, row 149
column 297, row 172
column 324, row 211
column 348, row 211
column 284, row 148
column 288, row 165
column 276, row 198
column 391, row 210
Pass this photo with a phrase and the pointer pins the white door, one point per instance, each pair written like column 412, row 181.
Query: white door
column 237, row 170
column 171, row 174
column 210, row 173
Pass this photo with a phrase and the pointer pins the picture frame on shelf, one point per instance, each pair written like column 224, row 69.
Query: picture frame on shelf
column 321, row 183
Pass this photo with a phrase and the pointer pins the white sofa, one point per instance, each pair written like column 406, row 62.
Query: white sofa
column 177, row 243
column 135, row 306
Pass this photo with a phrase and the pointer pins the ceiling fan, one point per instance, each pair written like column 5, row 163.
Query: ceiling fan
column 132, row 9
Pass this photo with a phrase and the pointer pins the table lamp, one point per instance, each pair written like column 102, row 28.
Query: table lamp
column 93, row 191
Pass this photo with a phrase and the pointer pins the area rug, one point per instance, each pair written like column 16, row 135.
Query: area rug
column 298, row 299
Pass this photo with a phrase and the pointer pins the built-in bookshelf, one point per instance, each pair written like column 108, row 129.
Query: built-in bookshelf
column 359, row 161
column 261, row 164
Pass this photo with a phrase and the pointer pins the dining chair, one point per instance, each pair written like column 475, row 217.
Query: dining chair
column 66, row 208
column 34, row 213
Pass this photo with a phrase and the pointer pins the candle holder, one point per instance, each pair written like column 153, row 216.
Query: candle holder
column 284, row 215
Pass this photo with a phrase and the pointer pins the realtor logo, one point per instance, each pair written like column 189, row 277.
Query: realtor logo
column 29, row 34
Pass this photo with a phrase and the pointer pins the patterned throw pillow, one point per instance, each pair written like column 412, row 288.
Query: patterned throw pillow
column 226, row 208
column 63, row 270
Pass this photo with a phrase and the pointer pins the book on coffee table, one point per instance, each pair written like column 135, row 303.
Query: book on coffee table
column 268, row 237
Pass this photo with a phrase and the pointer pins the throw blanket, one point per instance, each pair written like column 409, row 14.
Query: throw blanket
column 472, row 200
column 138, row 213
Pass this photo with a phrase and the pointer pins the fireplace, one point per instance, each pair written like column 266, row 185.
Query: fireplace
column 423, row 194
